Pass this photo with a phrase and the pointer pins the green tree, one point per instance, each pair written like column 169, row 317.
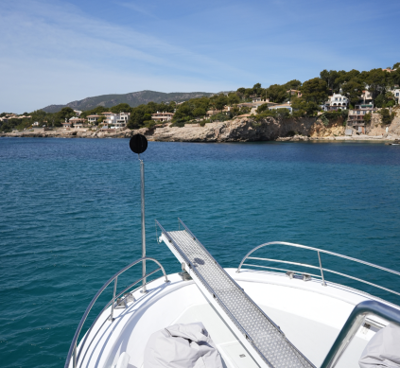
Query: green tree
column 262, row 108
column 377, row 80
column 241, row 92
column 353, row 90
column 199, row 112
column 387, row 117
column 345, row 77
column 122, row 107
column 380, row 101
column 96, row 111
column 282, row 113
column 293, row 84
column 302, row 107
column 315, row 90
column 172, row 105
column 367, row 118
column 221, row 101
column 233, row 99
column 276, row 93
column 138, row 115
column 257, row 90
column 395, row 76
column 330, row 78
column 65, row 114
column 39, row 116
column 395, row 66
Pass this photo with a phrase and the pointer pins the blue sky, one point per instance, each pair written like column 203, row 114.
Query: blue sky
column 54, row 52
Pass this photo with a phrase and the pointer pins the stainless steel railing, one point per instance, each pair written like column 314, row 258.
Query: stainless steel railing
column 72, row 353
column 353, row 323
column 320, row 268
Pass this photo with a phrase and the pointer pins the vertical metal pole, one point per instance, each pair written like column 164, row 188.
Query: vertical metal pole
column 143, row 227
column 113, row 300
column 74, row 360
column 322, row 272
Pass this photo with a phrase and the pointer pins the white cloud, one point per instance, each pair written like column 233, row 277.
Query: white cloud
column 53, row 52
column 138, row 8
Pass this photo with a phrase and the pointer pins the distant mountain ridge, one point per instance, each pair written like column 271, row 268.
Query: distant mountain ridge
column 133, row 99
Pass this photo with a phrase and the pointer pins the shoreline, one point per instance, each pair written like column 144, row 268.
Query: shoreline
column 239, row 130
column 299, row 138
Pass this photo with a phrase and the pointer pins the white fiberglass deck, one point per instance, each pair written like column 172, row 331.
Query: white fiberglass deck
column 264, row 336
column 310, row 315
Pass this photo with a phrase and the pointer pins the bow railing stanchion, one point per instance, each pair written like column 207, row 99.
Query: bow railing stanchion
column 138, row 144
column 112, row 304
column 321, row 269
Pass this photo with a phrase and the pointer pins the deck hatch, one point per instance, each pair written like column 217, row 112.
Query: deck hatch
column 259, row 330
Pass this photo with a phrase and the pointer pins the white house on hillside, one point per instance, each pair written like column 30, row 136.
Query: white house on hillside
column 121, row 120
column 396, row 94
column 116, row 120
column 92, row 119
column 366, row 97
column 162, row 116
column 336, row 102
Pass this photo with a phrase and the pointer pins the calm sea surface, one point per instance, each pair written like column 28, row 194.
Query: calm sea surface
column 70, row 218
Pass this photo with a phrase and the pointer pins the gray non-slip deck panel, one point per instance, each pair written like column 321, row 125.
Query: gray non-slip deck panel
column 266, row 338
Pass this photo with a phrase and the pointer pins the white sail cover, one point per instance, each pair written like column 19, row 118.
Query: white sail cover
column 182, row 346
column 383, row 350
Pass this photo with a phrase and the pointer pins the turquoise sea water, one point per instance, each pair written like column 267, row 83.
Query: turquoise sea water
column 70, row 218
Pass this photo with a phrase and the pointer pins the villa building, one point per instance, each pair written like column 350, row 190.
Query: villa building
column 356, row 116
column 294, row 92
column 122, row 119
column 162, row 116
column 115, row 121
column 77, row 122
column 92, row 119
column 281, row 106
column 110, row 118
column 366, row 96
column 259, row 99
column 336, row 102
column 396, row 94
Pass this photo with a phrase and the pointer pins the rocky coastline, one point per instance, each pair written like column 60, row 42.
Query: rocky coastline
column 238, row 130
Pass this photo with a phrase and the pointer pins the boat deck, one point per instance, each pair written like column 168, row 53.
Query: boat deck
column 262, row 335
column 310, row 315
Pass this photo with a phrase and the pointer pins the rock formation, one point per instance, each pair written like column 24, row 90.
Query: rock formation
column 238, row 130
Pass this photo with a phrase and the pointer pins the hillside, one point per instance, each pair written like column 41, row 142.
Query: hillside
column 133, row 99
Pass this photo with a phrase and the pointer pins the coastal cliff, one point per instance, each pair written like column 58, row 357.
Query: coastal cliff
column 238, row 130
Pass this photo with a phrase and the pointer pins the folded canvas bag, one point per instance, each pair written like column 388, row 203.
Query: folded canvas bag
column 383, row 350
column 182, row 346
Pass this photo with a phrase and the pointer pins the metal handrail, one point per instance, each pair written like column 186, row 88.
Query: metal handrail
column 353, row 323
column 204, row 282
column 215, row 293
column 72, row 350
column 321, row 269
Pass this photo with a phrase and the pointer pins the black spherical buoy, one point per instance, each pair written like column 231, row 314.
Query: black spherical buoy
column 138, row 143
